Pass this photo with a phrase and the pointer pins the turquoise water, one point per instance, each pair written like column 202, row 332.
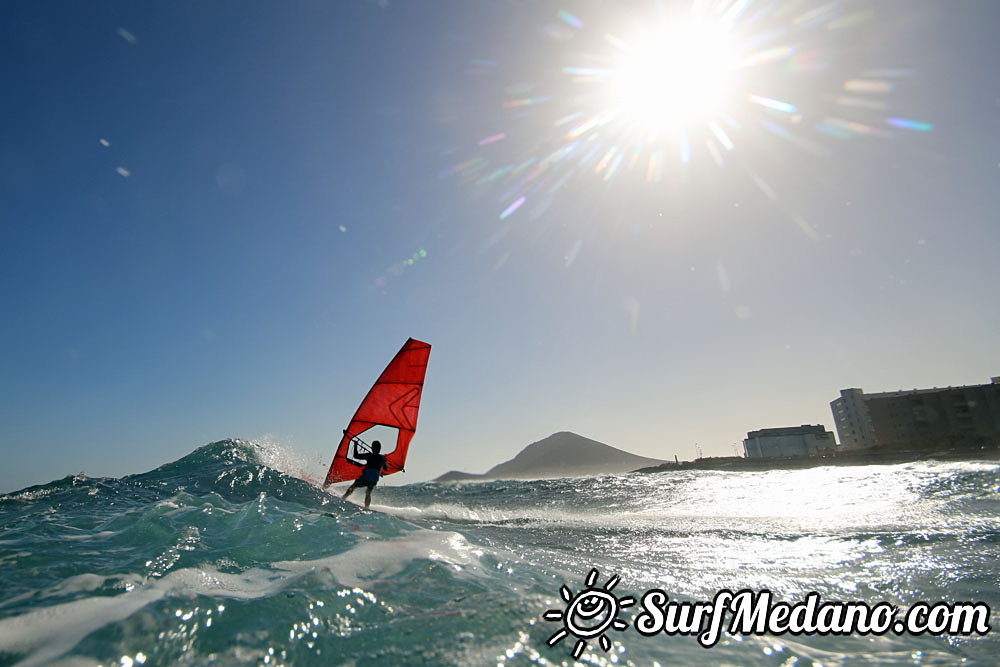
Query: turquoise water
column 222, row 557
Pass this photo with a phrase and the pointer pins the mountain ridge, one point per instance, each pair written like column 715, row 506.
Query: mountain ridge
column 562, row 454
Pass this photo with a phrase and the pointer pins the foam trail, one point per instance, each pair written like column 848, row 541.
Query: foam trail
column 47, row 633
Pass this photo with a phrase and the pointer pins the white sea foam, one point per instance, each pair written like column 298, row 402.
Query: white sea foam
column 27, row 496
column 383, row 559
column 90, row 536
column 47, row 633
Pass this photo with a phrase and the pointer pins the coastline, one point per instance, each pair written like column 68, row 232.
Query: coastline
column 859, row 458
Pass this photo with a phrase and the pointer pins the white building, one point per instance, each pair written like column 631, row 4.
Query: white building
column 805, row 440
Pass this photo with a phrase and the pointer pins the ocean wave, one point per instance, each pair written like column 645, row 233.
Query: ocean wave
column 226, row 555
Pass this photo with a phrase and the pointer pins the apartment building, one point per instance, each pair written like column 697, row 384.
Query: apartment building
column 866, row 420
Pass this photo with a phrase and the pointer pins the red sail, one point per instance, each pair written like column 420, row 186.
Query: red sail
column 392, row 402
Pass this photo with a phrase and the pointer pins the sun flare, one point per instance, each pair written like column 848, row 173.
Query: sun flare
column 655, row 98
column 673, row 76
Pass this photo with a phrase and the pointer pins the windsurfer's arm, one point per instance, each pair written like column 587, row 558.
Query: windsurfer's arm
column 354, row 441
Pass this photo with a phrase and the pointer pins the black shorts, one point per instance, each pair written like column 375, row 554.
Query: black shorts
column 361, row 481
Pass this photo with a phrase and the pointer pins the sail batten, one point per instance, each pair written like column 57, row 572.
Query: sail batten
column 393, row 402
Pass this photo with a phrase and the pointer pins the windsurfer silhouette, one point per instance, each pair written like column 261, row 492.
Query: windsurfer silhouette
column 375, row 463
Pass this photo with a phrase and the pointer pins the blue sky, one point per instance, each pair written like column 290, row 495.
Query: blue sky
column 223, row 219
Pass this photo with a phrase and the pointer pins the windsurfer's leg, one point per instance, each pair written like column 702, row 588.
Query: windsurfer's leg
column 350, row 490
column 368, row 497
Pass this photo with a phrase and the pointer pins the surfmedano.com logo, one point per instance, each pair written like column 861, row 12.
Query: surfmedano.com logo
column 594, row 610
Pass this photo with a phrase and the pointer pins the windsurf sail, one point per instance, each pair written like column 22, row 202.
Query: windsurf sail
column 393, row 402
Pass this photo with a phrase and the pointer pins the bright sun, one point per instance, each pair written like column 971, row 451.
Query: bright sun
column 669, row 78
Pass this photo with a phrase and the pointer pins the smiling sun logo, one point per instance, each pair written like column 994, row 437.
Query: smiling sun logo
column 589, row 614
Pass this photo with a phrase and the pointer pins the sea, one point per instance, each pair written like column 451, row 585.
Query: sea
column 229, row 556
